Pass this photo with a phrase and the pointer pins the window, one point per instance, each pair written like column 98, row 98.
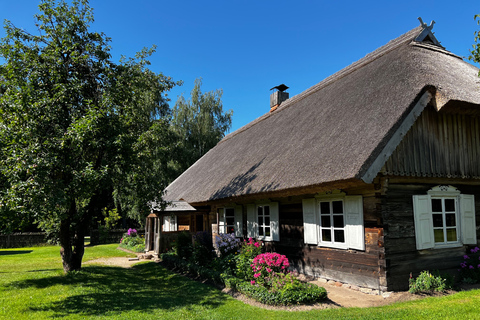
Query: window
column 230, row 220
column 263, row 222
column 263, row 216
column 169, row 223
column 444, row 218
column 334, row 221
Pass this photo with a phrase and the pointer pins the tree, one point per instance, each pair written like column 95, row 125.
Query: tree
column 76, row 127
column 200, row 124
column 475, row 53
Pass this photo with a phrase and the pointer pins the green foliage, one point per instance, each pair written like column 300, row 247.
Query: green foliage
column 200, row 124
column 133, row 241
column 248, row 251
column 183, row 247
column 111, row 218
column 300, row 293
column 475, row 52
column 202, row 251
column 427, row 281
column 470, row 267
column 76, row 128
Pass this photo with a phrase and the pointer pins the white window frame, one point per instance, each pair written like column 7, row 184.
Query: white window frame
column 169, row 223
column 237, row 220
column 331, row 228
column 464, row 218
column 354, row 231
column 253, row 227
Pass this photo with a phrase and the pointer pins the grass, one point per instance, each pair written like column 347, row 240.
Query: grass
column 33, row 286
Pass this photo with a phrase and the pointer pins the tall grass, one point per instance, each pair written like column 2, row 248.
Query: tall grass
column 33, row 286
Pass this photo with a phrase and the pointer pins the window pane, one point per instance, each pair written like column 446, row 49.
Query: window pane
column 230, row 230
column 260, row 211
column 266, row 210
column 260, row 231
column 452, row 234
column 337, row 206
column 267, row 221
column 326, row 235
column 438, row 235
column 324, row 207
column 338, row 221
column 326, row 221
column 267, row 231
column 230, row 212
column 450, row 220
column 449, row 205
column 230, row 221
column 437, row 220
column 339, row 236
column 436, row 205
column 260, row 221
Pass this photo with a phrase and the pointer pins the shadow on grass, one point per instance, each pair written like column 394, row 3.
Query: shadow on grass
column 100, row 290
column 10, row 252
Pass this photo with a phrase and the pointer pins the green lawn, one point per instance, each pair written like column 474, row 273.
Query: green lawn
column 33, row 286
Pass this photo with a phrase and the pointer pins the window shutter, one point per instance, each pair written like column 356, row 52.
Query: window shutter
column 221, row 220
column 355, row 233
column 238, row 222
column 310, row 231
column 252, row 227
column 467, row 219
column 174, row 223
column 422, row 214
column 274, row 221
column 166, row 223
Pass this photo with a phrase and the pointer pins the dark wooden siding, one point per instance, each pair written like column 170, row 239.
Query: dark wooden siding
column 438, row 145
column 402, row 257
column 362, row 268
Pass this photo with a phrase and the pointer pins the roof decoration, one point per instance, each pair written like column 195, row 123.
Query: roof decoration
column 427, row 35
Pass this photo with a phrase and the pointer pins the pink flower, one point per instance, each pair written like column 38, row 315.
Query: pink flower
column 257, row 244
column 256, row 275
column 252, row 282
column 269, row 270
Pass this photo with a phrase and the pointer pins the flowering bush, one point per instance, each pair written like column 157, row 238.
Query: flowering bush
column 267, row 267
column 227, row 244
column 132, row 241
column 249, row 250
column 470, row 267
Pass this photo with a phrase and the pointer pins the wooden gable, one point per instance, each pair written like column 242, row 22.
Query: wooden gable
column 443, row 143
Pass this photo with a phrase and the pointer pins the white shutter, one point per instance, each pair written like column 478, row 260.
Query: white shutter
column 221, row 220
column 274, row 221
column 310, row 229
column 467, row 219
column 422, row 214
column 238, row 221
column 355, row 233
column 174, row 223
column 252, row 226
column 166, row 223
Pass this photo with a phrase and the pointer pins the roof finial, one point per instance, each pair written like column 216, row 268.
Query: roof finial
column 424, row 25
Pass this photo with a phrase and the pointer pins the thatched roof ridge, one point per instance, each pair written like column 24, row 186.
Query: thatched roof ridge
column 334, row 130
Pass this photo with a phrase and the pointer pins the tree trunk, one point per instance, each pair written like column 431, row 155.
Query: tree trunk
column 72, row 246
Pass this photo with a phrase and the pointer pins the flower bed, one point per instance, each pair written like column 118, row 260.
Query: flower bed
column 133, row 241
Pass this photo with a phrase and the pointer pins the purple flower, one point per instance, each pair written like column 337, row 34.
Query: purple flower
column 470, row 267
column 466, row 257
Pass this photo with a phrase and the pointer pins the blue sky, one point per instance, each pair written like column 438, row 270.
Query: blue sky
column 247, row 47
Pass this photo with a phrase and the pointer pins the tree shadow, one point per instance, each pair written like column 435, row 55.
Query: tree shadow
column 11, row 252
column 241, row 184
column 102, row 290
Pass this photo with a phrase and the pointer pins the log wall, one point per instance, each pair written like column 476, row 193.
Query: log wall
column 402, row 257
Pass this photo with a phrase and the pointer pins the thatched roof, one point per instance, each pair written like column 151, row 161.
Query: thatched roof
column 334, row 131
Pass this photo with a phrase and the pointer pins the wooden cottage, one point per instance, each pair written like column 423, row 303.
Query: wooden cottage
column 364, row 178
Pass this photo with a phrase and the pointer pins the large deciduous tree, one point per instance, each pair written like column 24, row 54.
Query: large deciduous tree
column 76, row 127
column 200, row 123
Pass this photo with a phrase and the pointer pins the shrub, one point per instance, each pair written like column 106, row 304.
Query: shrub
column 268, row 266
column 248, row 251
column 227, row 243
column 183, row 246
column 132, row 241
column 427, row 281
column 470, row 267
column 300, row 294
column 202, row 251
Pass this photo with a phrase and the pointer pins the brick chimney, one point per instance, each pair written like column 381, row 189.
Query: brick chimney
column 278, row 96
